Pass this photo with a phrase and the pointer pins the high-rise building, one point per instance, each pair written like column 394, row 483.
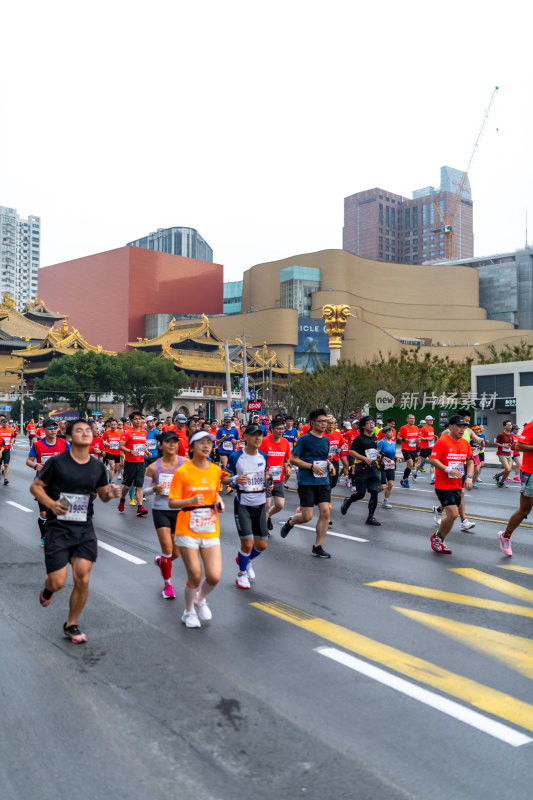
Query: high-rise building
column 20, row 249
column 384, row 226
column 178, row 242
column 232, row 297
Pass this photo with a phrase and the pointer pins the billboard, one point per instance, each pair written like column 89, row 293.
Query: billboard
column 313, row 344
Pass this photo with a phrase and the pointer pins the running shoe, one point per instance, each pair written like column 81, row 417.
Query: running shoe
column 475, row 486
column 269, row 524
column 432, row 479
column 437, row 516
column 480, row 480
column 45, row 603
column 190, row 619
column 421, row 469
column 496, row 477
column 141, row 511
column 414, row 475
column 516, row 478
column 437, row 544
column 505, row 544
column 202, row 609
column 6, row 482
column 345, row 506
column 466, row 525
column 372, row 521
column 405, row 484
column 243, row 581
column 121, row 505
column 133, row 501
column 386, row 504
column 286, row 528
column 319, row 552
column 73, row 633
column 250, row 571
column 168, row 592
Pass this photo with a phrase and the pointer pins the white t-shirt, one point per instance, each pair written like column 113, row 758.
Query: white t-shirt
column 254, row 492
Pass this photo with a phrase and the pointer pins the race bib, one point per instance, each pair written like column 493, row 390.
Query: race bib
column 227, row 446
column 138, row 449
column 371, row 453
column 113, row 444
column 95, row 455
column 256, row 482
column 78, row 505
column 411, row 442
column 275, row 472
column 388, row 464
column 165, row 478
column 7, row 440
column 151, row 444
column 45, row 458
column 431, row 442
column 333, row 449
column 322, row 464
column 203, row 520
column 458, row 465
column 505, row 449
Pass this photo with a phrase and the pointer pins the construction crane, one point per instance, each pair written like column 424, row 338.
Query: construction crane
column 446, row 226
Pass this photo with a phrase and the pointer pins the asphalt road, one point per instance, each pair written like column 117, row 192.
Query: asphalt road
column 385, row 672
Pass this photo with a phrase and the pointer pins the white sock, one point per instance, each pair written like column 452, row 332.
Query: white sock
column 205, row 589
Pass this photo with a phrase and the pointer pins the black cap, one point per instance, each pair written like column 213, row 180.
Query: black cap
column 253, row 428
column 49, row 423
column 165, row 436
column 457, row 419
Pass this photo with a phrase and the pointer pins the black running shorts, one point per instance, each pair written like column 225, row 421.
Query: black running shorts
column 61, row 546
column 250, row 521
column 311, row 496
column 449, row 497
column 165, row 518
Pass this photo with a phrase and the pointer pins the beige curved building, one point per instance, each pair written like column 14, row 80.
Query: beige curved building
column 391, row 303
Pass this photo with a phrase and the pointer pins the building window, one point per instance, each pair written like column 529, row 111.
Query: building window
column 381, row 213
column 407, row 219
column 393, row 218
column 415, row 217
column 387, row 217
column 503, row 385
column 526, row 379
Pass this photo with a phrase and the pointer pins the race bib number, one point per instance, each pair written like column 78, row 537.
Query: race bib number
column 78, row 505
column 411, row 442
column 113, row 444
column 458, row 465
column 322, row 464
column 275, row 472
column 505, row 449
column 227, row 446
column 165, row 478
column 7, row 440
column 333, row 449
column 45, row 458
column 430, row 443
column 138, row 449
column 371, row 453
column 151, row 444
column 203, row 520
column 388, row 464
column 256, row 482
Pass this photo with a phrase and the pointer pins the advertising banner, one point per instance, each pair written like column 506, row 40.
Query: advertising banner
column 313, row 344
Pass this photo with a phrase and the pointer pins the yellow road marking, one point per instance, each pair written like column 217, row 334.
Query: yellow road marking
column 476, row 694
column 514, row 651
column 526, row 570
column 498, row 584
column 451, row 597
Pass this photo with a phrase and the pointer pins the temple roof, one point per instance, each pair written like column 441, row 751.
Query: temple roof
column 15, row 325
column 60, row 341
column 38, row 310
column 179, row 332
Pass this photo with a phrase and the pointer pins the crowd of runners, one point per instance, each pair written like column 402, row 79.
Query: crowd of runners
column 188, row 466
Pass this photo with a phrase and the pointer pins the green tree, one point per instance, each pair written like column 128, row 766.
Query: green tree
column 75, row 378
column 32, row 408
column 148, row 381
column 518, row 352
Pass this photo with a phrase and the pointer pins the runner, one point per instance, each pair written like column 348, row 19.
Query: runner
column 31, row 429
column 336, row 445
column 482, row 436
column 278, row 452
column 96, row 448
column 517, row 457
column 366, row 470
column 451, row 455
column 7, row 436
column 151, row 440
column 227, row 437
column 290, row 433
column 248, row 471
column 523, row 445
column 387, row 450
column 427, row 440
column 133, row 445
column 40, row 451
column 391, row 423
column 504, row 452
column 195, row 490
column 158, row 478
column 310, row 454
column 66, row 485
column 408, row 435
column 112, row 451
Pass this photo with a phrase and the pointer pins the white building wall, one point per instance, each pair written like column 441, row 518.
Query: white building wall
column 522, row 412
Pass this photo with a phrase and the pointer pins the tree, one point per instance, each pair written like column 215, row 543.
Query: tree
column 32, row 409
column 519, row 352
column 75, row 378
column 149, row 381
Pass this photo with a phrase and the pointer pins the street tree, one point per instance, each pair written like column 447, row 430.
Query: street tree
column 148, row 382
column 74, row 378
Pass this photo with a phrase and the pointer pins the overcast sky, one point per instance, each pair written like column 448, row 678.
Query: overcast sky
column 252, row 121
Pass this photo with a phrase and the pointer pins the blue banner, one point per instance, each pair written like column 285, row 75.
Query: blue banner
column 313, row 344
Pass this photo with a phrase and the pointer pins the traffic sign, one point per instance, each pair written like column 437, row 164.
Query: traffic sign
column 253, row 395
column 254, row 406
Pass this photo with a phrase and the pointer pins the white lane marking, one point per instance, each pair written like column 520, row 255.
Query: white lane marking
column 330, row 533
column 450, row 707
column 17, row 505
column 121, row 553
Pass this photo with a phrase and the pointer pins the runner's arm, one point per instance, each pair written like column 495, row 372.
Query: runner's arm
column 37, row 490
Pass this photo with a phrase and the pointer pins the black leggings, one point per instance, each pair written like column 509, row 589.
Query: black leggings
column 360, row 493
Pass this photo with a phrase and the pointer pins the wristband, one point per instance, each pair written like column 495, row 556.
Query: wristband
column 447, row 470
column 469, row 477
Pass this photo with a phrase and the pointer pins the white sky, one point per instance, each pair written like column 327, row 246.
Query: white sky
column 251, row 121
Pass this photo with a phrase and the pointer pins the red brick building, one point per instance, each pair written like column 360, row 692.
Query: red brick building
column 107, row 295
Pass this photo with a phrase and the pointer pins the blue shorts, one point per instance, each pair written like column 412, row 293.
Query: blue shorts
column 526, row 481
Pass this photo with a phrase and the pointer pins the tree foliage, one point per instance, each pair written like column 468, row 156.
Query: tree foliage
column 519, row 352
column 32, row 409
column 149, row 382
column 75, row 378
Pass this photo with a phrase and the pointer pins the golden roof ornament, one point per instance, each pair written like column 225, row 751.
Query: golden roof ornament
column 335, row 318
column 8, row 302
column 64, row 327
column 172, row 324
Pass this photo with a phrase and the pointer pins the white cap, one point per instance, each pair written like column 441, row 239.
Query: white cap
column 201, row 435
column 149, row 418
column 429, row 417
